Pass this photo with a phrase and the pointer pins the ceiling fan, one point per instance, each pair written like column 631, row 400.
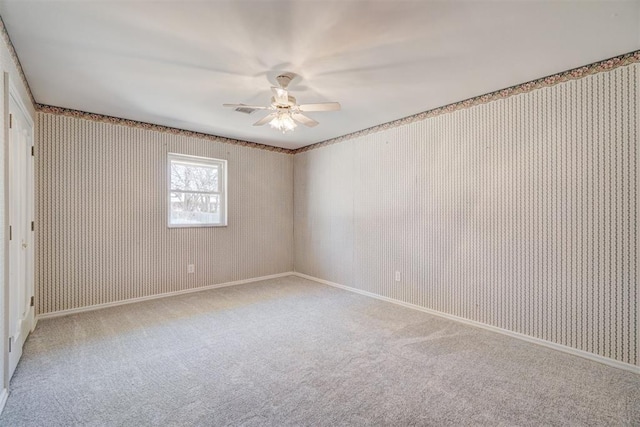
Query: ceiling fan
column 285, row 111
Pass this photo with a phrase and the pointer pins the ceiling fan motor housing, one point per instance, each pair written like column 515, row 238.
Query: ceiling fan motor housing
column 284, row 79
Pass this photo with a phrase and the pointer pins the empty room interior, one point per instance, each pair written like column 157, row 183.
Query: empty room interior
column 319, row 213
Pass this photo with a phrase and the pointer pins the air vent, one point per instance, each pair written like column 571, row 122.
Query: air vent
column 246, row 110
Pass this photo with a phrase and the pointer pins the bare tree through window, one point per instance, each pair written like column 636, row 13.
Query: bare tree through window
column 196, row 191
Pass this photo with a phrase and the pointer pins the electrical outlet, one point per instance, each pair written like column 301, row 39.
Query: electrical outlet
column 191, row 268
column 397, row 276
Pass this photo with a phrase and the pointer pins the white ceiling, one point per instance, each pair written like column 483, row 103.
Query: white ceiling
column 175, row 63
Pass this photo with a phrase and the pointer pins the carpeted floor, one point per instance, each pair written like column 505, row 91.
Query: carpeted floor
column 294, row 352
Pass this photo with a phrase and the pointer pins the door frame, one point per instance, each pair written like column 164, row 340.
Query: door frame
column 10, row 91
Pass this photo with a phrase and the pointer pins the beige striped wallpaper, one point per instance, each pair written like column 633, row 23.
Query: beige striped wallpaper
column 101, row 224
column 520, row 213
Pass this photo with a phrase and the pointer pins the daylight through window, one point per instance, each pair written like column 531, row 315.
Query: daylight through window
column 197, row 191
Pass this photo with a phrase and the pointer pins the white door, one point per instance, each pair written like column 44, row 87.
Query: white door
column 21, row 313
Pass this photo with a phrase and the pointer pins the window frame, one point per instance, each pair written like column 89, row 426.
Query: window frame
column 222, row 186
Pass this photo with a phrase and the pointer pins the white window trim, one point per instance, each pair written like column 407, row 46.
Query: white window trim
column 222, row 183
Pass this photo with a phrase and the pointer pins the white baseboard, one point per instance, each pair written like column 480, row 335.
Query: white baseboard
column 4, row 394
column 151, row 297
column 549, row 344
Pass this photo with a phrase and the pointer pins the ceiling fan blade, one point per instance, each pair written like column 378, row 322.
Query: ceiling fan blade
column 323, row 106
column 301, row 118
column 280, row 95
column 266, row 119
column 254, row 107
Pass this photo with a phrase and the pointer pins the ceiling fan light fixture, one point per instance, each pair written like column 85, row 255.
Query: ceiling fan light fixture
column 283, row 122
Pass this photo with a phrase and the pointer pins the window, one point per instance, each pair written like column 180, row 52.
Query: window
column 197, row 191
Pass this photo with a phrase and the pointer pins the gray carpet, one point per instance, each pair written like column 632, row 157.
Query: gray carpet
column 294, row 352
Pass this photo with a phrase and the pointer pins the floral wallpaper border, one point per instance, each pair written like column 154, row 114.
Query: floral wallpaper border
column 158, row 128
column 574, row 74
